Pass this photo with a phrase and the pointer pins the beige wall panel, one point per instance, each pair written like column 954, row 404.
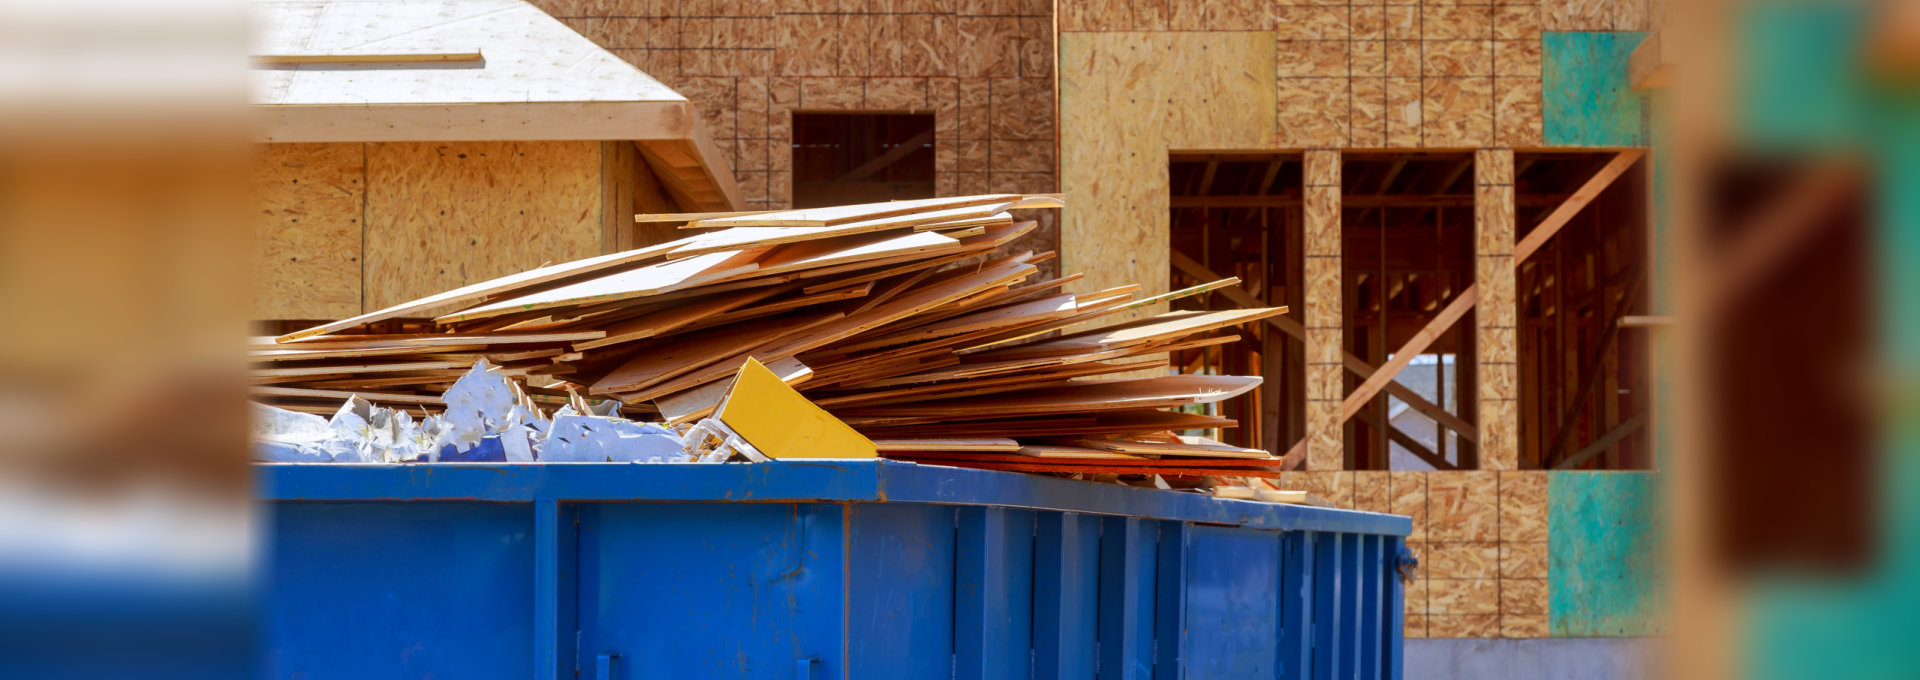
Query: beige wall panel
column 1125, row 99
column 308, row 230
column 441, row 215
column 1495, row 312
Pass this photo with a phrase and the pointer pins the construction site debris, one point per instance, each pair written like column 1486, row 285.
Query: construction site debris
column 801, row 333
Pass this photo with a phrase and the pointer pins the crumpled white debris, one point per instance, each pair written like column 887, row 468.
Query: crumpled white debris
column 484, row 408
column 596, row 439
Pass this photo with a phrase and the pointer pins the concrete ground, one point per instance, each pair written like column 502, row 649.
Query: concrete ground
column 1535, row 659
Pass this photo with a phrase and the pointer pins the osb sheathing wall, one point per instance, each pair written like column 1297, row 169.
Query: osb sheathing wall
column 1125, row 100
column 350, row 227
column 984, row 68
column 1137, row 78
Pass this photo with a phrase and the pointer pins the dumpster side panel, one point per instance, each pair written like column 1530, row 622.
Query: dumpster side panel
column 399, row 590
column 1233, row 595
column 900, row 576
column 1128, row 554
column 993, row 595
column 711, row 590
column 1066, row 581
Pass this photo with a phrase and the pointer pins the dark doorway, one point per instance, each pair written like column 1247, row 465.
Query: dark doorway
column 841, row 158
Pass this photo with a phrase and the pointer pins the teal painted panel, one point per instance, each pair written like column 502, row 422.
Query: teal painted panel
column 1604, row 559
column 1587, row 98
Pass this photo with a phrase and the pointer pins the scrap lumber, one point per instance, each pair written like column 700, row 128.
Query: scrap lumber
column 906, row 323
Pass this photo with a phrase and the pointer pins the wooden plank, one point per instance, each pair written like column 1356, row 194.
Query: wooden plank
column 1602, row 443
column 753, row 237
column 369, row 57
column 1093, row 395
column 1056, row 307
column 673, row 317
column 838, row 215
column 1155, row 329
column 1113, row 468
column 343, row 395
column 671, row 357
column 1010, row 383
column 1351, row 363
column 793, row 257
column 697, row 403
column 981, row 444
column 1560, row 216
column 1199, row 447
column 356, row 368
column 1413, row 347
column 670, row 218
column 495, row 287
column 645, row 281
column 952, row 285
column 277, row 355
column 984, row 220
column 1590, row 377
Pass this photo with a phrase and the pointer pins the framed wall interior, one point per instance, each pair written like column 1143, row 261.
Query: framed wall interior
column 1586, row 395
column 1407, row 249
column 1241, row 215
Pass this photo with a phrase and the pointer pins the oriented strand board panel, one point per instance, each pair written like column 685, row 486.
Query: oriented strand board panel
column 307, row 230
column 441, row 215
column 1326, row 389
column 1496, row 315
column 1604, row 565
column 1587, row 99
column 1125, row 100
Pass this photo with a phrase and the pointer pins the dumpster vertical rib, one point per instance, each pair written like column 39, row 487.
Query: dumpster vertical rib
column 1170, row 611
column 1066, row 595
column 990, row 616
column 546, row 588
column 1372, row 573
column 1296, row 604
column 1124, row 609
column 1327, row 623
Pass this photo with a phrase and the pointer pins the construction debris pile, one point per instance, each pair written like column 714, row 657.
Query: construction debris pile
column 899, row 319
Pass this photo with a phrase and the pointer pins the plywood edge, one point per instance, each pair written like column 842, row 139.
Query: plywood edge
column 492, row 121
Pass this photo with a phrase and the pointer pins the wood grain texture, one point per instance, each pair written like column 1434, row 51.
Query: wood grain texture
column 1494, row 233
column 444, row 215
column 311, row 199
column 1125, row 99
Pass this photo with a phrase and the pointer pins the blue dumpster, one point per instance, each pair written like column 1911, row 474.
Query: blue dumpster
column 810, row 570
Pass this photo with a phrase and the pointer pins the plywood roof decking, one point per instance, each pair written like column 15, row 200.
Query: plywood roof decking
column 537, row 80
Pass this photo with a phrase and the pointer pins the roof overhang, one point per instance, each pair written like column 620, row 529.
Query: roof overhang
column 534, row 79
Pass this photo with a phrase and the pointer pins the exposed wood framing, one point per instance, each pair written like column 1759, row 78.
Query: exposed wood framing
column 1353, row 364
column 1466, row 299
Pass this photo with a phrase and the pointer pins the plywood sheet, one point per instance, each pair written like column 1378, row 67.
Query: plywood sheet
column 442, row 215
column 307, row 230
column 530, row 56
column 1125, row 100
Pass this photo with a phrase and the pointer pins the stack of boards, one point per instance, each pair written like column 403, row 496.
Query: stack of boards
column 909, row 320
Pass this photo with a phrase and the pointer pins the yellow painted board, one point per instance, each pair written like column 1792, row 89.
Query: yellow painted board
column 775, row 419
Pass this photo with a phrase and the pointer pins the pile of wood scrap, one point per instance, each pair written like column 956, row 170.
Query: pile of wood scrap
column 908, row 320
